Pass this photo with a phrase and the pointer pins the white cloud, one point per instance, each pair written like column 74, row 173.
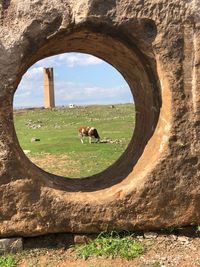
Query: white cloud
column 80, row 94
column 49, row 62
column 30, row 90
column 79, row 59
column 30, row 93
column 33, row 73
column 70, row 60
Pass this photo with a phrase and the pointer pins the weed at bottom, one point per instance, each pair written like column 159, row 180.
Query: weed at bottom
column 198, row 228
column 7, row 261
column 111, row 245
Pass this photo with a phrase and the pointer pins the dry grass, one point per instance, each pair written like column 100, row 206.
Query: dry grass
column 57, row 164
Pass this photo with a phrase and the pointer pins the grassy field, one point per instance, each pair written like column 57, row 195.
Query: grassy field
column 59, row 149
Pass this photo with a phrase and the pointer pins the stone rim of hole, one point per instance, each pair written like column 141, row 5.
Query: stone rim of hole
column 147, row 108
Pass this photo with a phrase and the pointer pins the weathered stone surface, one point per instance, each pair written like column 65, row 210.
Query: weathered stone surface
column 11, row 245
column 155, row 183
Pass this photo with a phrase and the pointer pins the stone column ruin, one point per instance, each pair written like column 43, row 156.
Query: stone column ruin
column 49, row 98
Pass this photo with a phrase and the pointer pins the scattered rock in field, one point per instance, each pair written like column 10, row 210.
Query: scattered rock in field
column 34, row 139
column 183, row 239
column 151, row 263
column 26, row 151
column 110, row 141
column 33, row 124
column 174, row 237
column 56, row 126
column 150, row 235
column 140, row 238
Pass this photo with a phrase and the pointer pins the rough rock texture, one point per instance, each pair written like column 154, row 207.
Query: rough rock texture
column 155, row 44
column 11, row 245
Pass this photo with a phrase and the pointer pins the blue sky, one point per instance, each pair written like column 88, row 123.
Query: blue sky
column 79, row 79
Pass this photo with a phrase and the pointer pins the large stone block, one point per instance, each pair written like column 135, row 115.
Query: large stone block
column 155, row 183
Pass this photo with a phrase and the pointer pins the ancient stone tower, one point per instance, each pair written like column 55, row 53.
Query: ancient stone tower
column 49, row 99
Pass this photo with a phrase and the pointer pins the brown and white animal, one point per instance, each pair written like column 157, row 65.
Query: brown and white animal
column 91, row 132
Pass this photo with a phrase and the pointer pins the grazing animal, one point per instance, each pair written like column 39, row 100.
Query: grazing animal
column 91, row 132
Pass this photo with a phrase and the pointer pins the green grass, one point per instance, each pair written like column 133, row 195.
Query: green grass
column 111, row 245
column 7, row 261
column 58, row 134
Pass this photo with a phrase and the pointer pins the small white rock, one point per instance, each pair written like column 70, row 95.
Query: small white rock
column 150, row 235
column 140, row 237
column 26, row 151
column 183, row 239
column 174, row 237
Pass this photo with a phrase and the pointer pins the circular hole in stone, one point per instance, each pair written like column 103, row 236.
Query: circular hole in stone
column 60, row 94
